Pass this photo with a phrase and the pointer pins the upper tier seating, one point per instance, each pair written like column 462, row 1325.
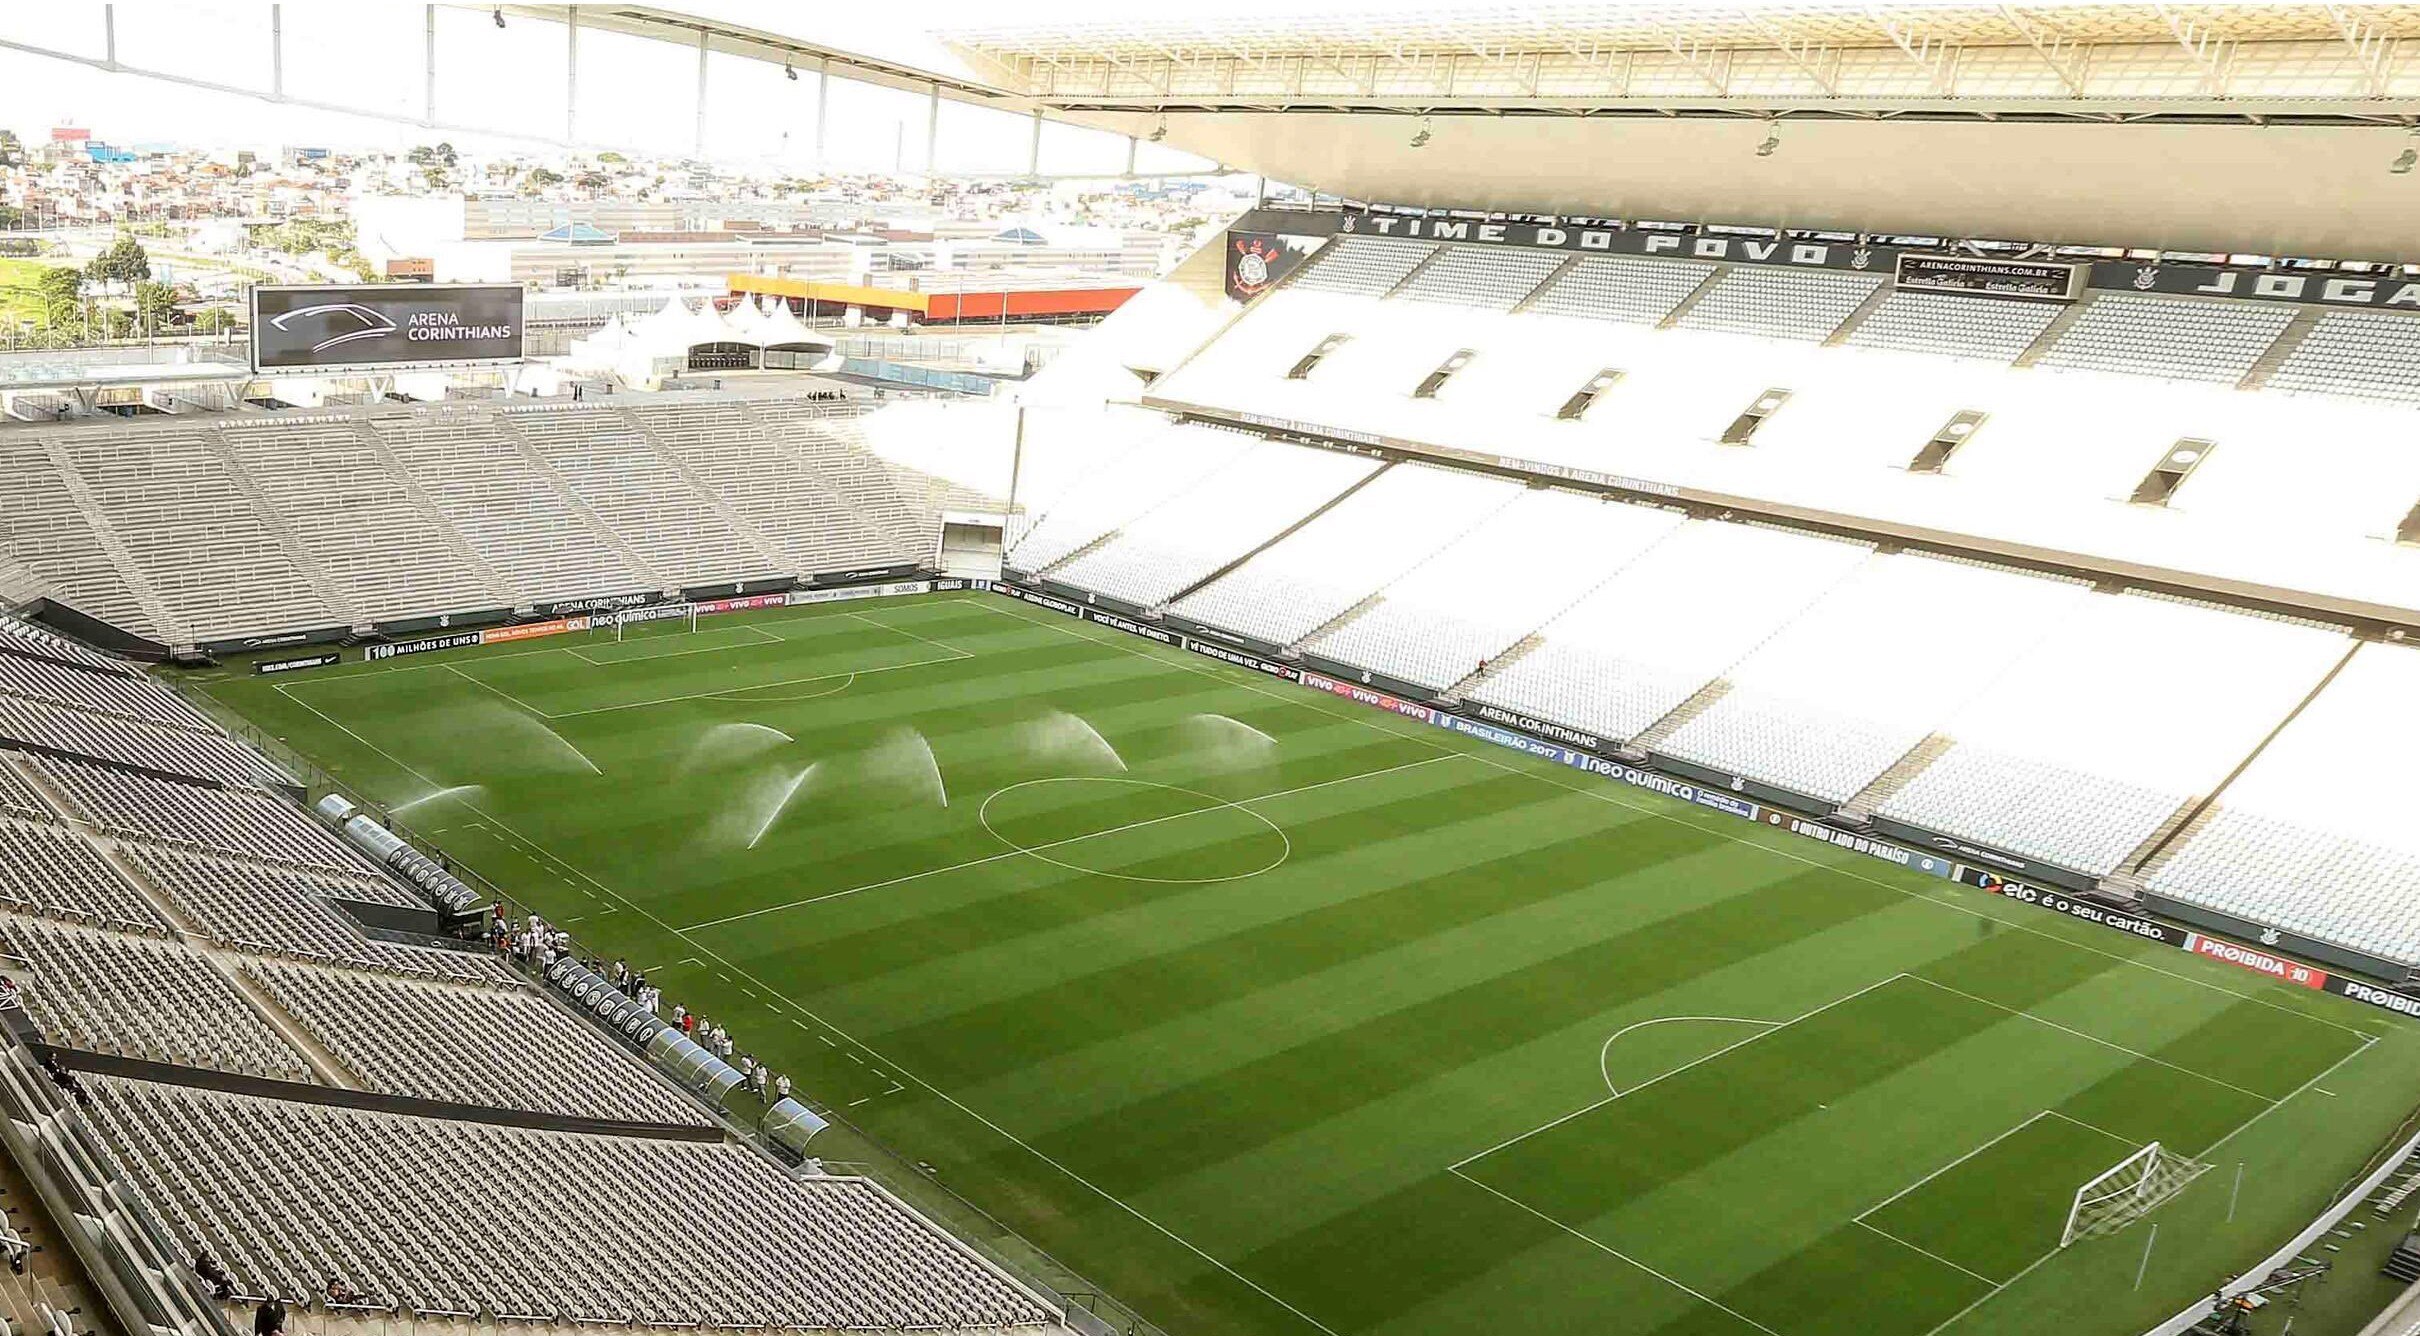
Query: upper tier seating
column 47, row 870
column 355, row 520
column 1312, row 575
column 17, row 798
column 1478, row 276
column 1954, row 325
column 1627, row 288
column 1666, row 625
column 2358, row 353
column 2095, row 737
column 2316, row 835
column 2167, row 336
column 140, row 998
column 1826, row 705
column 1502, row 580
column 1362, row 266
column 503, row 1047
column 468, row 1218
column 1781, row 303
column 175, row 751
column 1225, row 516
column 831, row 440
column 247, row 824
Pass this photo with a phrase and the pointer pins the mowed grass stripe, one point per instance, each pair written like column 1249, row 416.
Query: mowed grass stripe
column 1380, row 914
column 1131, row 1147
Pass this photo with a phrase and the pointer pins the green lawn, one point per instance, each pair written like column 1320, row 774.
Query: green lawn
column 19, row 298
column 1273, row 1014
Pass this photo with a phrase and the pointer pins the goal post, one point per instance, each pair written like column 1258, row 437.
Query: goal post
column 2125, row 1193
column 665, row 618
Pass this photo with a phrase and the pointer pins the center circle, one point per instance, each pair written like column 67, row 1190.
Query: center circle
column 1121, row 830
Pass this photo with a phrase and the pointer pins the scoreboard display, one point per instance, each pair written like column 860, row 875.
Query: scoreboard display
column 2038, row 280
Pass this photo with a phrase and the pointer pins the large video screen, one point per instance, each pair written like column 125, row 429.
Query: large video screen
column 384, row 325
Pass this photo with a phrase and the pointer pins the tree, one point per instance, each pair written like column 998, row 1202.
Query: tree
column 60, row 291
column 11, row 217
column 542, row 177
column 592, row 181
column 214, row 321
column 125, row 261
column 154, row 306
column 610, row 156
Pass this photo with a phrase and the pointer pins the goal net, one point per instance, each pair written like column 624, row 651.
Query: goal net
column 648, row 619
column 2128, row 1192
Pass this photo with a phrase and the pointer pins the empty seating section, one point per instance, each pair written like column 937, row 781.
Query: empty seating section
column 504, row 508
column 175, row 751
column 793, row 507
column 1667, row 624
column 643, row 500
column 134, row 698
column 25, row 638
column 1781, row 303
column 1828, row 704
column 250, row 825
column 44, row 526
column 2316, row 835
column 2177, row 338
column 49, row 870
column 277, row 912
column 1362, row 266
column 1225, row 516
column 139, row 998
column 1621, row 287
column 357, row 522
column 211, row 557
column 2097, row 735
column 829, row 440
column 1320, row 570
column 501, row 1047
column 2355, row 353
column 17, row 798
column 1491, row 588
column 1482, row 276
column 1156, row 467
column 461, row 1217
column 1955, row 326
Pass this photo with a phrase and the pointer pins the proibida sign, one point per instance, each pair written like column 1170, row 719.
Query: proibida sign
column 316, row 328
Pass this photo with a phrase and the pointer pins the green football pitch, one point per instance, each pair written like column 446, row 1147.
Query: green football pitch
column 1267, row 1013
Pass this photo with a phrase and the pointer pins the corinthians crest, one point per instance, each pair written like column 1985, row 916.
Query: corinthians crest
column 1254, row 265
column 2145, row 277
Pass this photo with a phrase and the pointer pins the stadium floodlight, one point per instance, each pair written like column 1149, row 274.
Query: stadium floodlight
column 1160, row 131
column 789, row 71
column 2126, row 1193
column 498, row 15
column 2405, row 161
column 1765, row 149
column 1420, row 140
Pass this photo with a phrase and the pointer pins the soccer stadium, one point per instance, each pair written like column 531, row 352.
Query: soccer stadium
column 1730, row 670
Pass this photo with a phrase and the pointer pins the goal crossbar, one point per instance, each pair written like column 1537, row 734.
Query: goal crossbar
column 2128, row 1191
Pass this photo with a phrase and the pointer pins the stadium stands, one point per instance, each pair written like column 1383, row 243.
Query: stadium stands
column 2171, row 337
column 1502, row 580
column 2316, row 836
column 160, row 1001
column 1954, row 325
column 1827, row 705
column 1363, row 266
column 2358, row 354
column 326, row 520
column 1781, row 303
column 457, row 1217
column 1229, row 513
column 245, row 824
column 47, row 870
column 130, row 698
column 1664, row 626
column 1621, row 287
column 2095, row 738
column 1153, row 469
column 1318, row 572
column 172, row 751
column 494, row 1046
